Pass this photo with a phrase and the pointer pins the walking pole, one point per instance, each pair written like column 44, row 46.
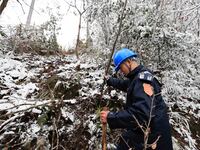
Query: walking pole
column 104, row 125
column 104, row 129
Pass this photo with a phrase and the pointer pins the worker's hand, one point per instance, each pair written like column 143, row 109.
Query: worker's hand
column 103, row 116
column 107, row 79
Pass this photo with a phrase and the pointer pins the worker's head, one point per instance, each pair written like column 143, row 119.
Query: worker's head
column 124, row 60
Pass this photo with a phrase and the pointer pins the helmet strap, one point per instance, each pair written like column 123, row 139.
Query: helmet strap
column 128, row 66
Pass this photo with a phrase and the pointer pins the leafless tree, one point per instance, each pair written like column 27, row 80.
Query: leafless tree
column 80, row 11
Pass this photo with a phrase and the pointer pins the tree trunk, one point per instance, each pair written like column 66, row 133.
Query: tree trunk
column 198, row 23
column 28, row 21
column 87, row 35
column 3, row 5
column 78, row 36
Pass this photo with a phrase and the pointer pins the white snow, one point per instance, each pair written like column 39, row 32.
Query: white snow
column 35, row 128
column 18, row 91
column 37, row 111
column 113, row 93
column 71, row 101
column 27, row 89
column 68, row 115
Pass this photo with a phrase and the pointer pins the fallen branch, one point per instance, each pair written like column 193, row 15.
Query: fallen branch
column 16, row 106
column 9, row 120
column 23, row 110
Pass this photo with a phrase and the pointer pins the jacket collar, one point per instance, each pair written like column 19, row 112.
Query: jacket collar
column 134, row 72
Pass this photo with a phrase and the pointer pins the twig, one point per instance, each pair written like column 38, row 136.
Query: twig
column 141, row 127
column 150, row 145
column 58, row 120
column 129, row 148
column 53, row 135
column 2, row 86
column 55, row 123
column 9, row 142
column 30, row 6
column 9, row 120
column 21, row 6
column 18, row 144
column 186, row 26
column 57, row 135
column 147, row 131
column 195, row 7
column 51, row 92
column 62, row 147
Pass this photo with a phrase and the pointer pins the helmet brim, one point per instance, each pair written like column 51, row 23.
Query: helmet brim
column 117, row 69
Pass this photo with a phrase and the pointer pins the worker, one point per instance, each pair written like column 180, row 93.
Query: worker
column 144, row 118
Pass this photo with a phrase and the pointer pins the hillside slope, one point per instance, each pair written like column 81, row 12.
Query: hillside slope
column 54, row 102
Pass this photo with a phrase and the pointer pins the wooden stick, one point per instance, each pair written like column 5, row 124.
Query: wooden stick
column 104, row 129
column 104, row 125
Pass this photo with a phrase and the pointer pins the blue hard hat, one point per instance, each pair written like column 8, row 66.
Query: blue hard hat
column 122, row 55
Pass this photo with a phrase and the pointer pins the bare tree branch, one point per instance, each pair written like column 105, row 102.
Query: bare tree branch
column 129, row 148
column 188, row 9
column 146, row 130
column 3, row 6
column 21, row 6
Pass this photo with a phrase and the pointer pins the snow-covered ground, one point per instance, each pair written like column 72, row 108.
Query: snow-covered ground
column 43, row 97
column 24, row 114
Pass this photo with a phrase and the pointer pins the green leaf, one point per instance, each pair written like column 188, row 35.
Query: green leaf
column 42, row 119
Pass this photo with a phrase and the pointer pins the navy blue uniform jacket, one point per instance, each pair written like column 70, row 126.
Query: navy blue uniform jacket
column 138, row 104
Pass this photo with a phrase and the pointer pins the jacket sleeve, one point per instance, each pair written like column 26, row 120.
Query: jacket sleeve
column 140, row 108
column 119, row 84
